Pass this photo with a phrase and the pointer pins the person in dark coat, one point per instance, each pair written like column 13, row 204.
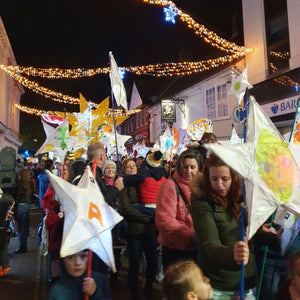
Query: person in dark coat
column 43, row 178
column 215, row 210
column 5, row 201
column 73, row 283
column 141, row 235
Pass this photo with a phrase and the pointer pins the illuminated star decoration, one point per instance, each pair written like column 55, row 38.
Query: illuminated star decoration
column 121, row 139
column 239, row 85
column 265, row 161
column 57, row 139
column 170, row 14
column 88, row 218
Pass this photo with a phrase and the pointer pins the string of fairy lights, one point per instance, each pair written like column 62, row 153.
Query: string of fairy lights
column 207, row 35
column 39, row 112
column 158, row 70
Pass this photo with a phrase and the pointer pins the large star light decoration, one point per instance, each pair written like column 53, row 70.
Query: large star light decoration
column 57, row 139
column 170, row 14
column 267, row 164
column 240, row 84
column 88, row 218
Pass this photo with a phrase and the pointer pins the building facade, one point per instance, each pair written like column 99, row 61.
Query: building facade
column 272, row 30
column 10, row 93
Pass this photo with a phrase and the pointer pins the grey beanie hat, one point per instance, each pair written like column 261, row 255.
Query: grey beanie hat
column 109, row 163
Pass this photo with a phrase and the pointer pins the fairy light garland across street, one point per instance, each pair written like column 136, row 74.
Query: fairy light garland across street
column 39, row 112
column 159, row 70
column 208, row 36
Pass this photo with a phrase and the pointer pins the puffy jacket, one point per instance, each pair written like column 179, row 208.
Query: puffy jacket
column 173, row 220
column 149, row 181
column 217, row 232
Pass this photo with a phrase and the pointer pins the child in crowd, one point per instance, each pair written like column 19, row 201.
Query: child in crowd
column 149, row 179
column 290, row 289
column 184, row 280
column 5, row 201
column 73, row 283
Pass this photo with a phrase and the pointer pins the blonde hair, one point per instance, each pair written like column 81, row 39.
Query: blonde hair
column 94, row 150
column 177, row 279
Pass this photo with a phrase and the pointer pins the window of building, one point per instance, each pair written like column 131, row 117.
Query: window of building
column 131, row 125
column 222, row 100
column 211, row 103
column 216, row 102
column 141, row 118
column 137, row 120
column 277, row 34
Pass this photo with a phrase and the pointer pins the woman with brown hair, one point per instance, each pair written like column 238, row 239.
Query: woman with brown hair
column 22, row 209
column 215, row 211
column 173, row 220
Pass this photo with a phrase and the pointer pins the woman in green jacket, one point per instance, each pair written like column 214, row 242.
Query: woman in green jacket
column 215, row 211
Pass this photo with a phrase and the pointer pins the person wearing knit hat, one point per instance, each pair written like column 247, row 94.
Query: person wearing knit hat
column 113, row 169
column 109, row 171
column 153, row 160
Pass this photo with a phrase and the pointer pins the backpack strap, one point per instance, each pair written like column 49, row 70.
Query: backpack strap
column 180, row 192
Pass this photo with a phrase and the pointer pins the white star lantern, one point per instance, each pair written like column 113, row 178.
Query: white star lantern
column 265, row 161
column 85, row 120
column 239, row 85
column 57, row 139
column 112, row 145
column 141, row 149
column 88, row 218
column 165, row 140
column 235, row 139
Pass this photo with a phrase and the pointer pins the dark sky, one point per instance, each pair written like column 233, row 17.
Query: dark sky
column 80, row 33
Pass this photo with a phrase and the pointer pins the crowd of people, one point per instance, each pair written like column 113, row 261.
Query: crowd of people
column 181, row 223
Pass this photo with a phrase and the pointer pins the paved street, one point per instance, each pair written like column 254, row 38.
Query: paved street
column 27, row 280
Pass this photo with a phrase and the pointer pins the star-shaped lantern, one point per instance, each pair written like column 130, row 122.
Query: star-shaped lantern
column 57, row 139
column 240, row 84
column 88, row 218
column 121, row 139
column 267, row 164
column 198, row 127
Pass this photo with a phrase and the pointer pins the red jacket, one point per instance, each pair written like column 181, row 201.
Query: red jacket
column 53, row 222
column 173, row 220
column 149, row 189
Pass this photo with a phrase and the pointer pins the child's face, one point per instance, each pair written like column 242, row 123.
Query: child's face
column 296, row 274
column 76, row 264
column 202, row 287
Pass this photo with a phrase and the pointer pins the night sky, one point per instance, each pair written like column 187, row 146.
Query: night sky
column 74, row 34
